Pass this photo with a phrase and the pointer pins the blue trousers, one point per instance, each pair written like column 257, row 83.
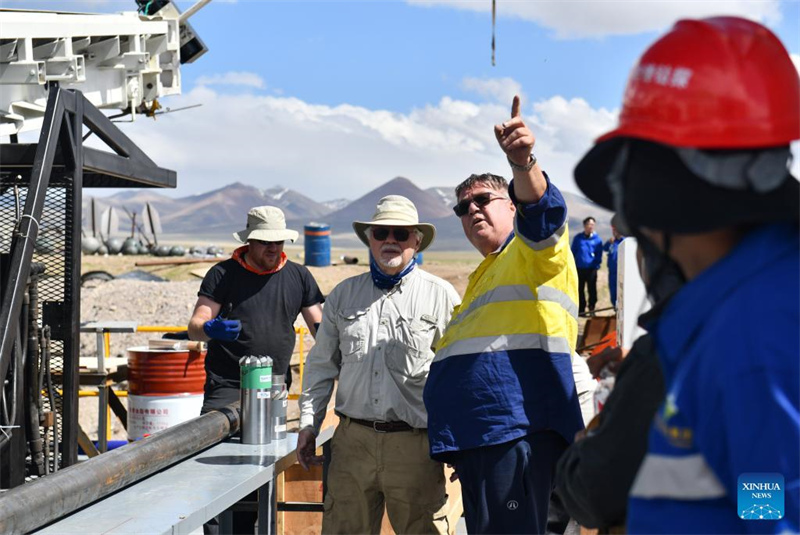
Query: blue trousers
column 506, row 487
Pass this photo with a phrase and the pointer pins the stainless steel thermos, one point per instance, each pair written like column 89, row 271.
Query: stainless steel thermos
column 256, row 392
column 280, row 399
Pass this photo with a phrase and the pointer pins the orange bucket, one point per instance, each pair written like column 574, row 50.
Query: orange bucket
column 165, row 388
column 159, row 372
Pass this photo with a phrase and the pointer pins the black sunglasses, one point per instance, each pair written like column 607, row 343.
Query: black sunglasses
column 381, row 233
column 265, row 243
column 480, row 200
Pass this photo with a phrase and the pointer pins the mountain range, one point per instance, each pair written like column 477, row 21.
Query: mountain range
column 214, row 215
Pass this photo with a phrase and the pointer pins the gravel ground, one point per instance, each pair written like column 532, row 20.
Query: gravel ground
column 146, row 303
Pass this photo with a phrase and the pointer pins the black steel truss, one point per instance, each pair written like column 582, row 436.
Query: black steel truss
column 50, row 175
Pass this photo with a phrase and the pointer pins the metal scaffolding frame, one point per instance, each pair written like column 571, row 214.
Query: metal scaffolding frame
column 50, row 175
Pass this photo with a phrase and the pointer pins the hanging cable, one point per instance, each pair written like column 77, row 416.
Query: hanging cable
column 51, row 394
column 494, row 18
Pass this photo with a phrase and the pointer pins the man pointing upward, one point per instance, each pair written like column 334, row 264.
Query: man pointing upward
column 500, row 396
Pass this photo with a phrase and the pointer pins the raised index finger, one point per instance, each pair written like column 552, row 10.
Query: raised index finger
column 515, row 107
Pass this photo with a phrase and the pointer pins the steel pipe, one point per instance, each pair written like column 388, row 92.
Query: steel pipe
column 192, row 10
column 36, row 504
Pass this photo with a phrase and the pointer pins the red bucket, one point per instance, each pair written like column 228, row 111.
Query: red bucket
column 165, row 388
column 159, row 372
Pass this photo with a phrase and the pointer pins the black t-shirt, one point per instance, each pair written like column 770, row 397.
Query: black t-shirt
column 267, row 306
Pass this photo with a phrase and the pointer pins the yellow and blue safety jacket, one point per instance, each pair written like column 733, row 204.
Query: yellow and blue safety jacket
column 729, row 343
column 503, row 368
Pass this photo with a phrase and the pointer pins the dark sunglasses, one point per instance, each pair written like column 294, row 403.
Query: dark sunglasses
column 265, row 243
column 480, row 200
column 381, row 233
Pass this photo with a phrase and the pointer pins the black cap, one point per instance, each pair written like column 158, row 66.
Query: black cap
column 660, row 192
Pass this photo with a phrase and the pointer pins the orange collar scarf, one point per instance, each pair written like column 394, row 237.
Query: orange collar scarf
column 239, row 253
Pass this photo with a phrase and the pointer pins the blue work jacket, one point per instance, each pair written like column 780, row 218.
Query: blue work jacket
column 612, row 249
column 588, row 251
column 729, row 343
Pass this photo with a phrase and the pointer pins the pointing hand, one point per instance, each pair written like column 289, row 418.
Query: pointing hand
column 514, row 137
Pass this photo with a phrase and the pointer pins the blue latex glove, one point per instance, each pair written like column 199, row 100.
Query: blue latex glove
column 221, row 329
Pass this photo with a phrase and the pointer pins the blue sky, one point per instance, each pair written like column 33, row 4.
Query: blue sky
column 334, row 98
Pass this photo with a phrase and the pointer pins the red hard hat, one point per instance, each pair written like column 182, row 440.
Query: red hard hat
column 708, row 115
column 717, row 83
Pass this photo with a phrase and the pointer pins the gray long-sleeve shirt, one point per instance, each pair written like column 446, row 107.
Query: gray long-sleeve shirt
column 379, row 344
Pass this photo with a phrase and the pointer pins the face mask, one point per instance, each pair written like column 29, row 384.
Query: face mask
column 663, row 275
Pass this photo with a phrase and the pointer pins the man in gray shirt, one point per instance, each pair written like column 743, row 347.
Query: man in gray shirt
column 376, row 337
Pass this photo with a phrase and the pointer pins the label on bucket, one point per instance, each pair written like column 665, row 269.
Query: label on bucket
column 280, row 428
column 149, row 414
column 262, row 395
column 256, row 378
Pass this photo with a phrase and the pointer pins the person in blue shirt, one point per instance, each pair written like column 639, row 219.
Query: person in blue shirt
column 610, row 247
column 698, row 170
column 587, row 248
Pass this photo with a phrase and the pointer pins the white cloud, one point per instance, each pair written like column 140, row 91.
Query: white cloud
column 581, row 18
column 796, row 61
column 500, row 89
column 247, row 79
column 330, row 152
column 570, row 126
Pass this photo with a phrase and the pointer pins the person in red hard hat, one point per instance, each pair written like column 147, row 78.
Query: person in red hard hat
column 697, row 169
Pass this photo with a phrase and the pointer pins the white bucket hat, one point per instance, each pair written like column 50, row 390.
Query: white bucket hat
column 396, row 211
column 265, row 223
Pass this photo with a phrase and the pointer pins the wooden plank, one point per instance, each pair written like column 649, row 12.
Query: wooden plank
column 119, row 409
column 86, row 444
column 111, row 363
column 301, row 486
column 280, row 484
column 175, row 261
column 200, row 272
column 594, row 331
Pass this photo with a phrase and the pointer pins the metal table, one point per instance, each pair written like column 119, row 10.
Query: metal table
column 183, row 497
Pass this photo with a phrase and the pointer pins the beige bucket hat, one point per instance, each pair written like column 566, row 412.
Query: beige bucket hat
column 266, row 223
column 396, row 211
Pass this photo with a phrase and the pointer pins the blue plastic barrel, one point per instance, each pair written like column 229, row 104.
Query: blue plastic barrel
column 318, row 244
column 419, row 258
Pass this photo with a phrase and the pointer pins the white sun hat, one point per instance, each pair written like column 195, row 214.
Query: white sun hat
column 266, row 223
column 396, row 211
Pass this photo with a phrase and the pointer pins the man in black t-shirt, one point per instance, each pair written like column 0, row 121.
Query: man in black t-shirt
column 247, row 305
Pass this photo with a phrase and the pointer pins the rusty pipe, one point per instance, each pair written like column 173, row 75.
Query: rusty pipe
column 45, row 500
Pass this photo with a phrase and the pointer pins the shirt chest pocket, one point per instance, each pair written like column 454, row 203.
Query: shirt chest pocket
column 352, row 334
column 410, row 358
column 422, row 332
